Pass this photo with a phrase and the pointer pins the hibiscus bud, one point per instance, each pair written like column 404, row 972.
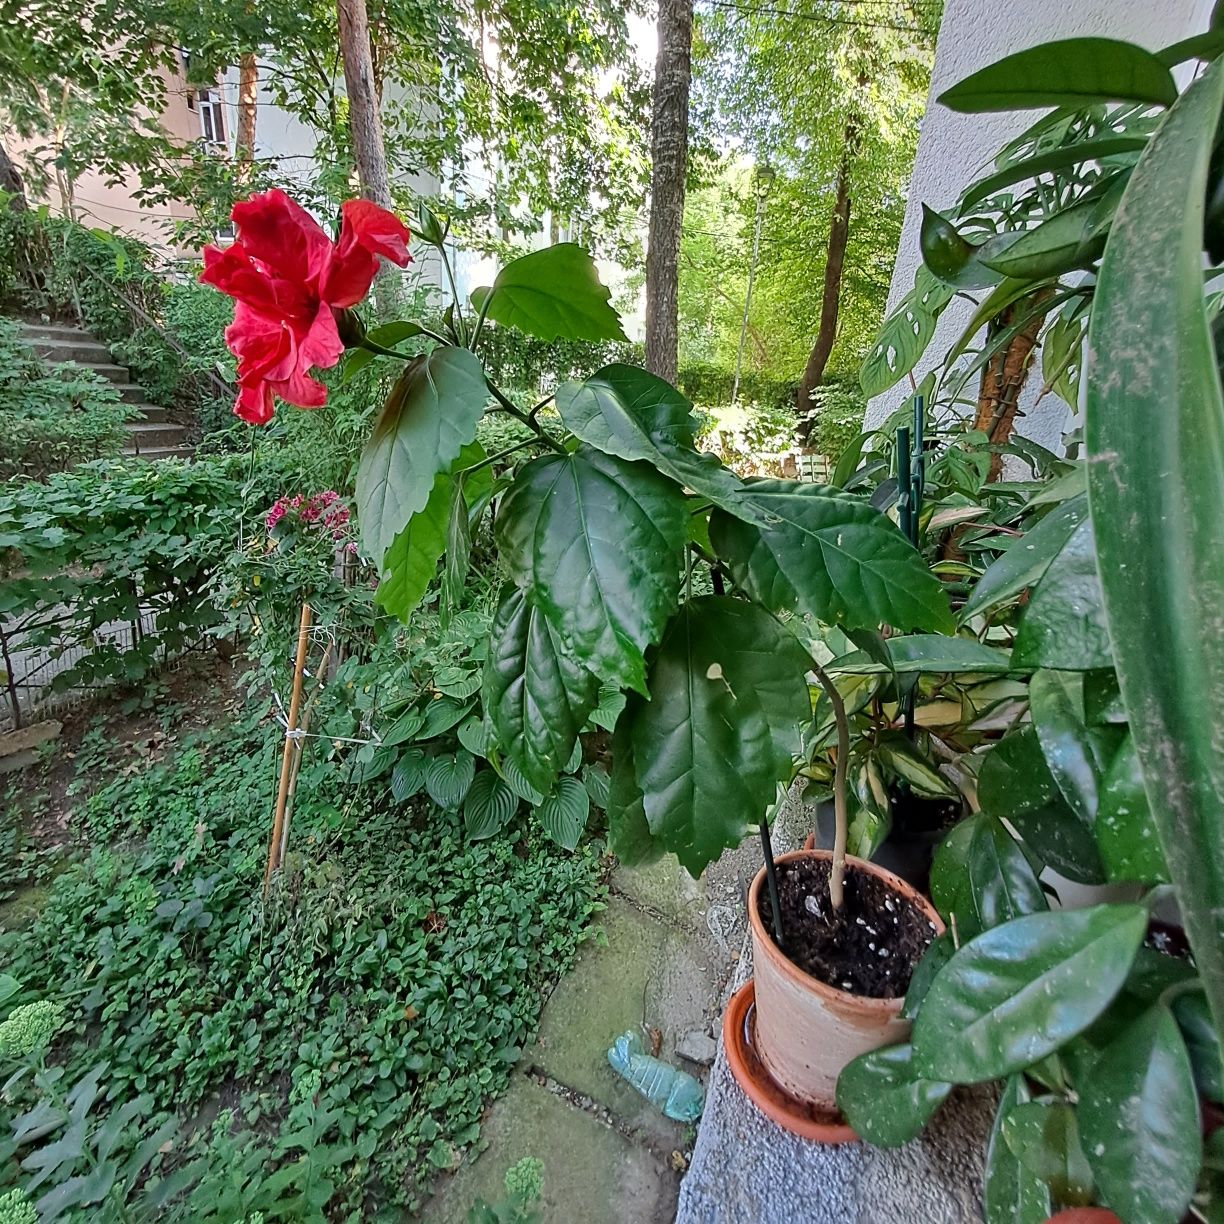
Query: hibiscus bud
column 429, row 228
column 351, row 329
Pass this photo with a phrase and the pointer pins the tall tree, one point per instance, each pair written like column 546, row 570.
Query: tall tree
column 248, row 109
column 668, row 167
column 365, row 122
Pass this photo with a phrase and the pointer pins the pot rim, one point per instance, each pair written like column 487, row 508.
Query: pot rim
column 763, row 938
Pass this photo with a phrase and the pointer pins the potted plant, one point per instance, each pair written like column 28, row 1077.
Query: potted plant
column 1105, row 1034
column 606, row 536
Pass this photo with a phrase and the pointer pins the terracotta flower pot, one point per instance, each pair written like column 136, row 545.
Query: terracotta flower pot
column 1084, row 1215
column 807, row 1031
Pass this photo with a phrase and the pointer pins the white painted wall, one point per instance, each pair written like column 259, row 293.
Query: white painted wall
column 954, row 148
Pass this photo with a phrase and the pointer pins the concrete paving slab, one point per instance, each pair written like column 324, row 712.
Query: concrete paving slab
column 592, row 1174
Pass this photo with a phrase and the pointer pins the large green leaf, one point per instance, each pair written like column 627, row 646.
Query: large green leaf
column 629, row 836
column 1017, row 992
column 564, row 812
column 1076, row 754
column 429, row 417
column 411, row 561
column 728, row 701
column 1064, row 623
column 927, row 652
column 536, row 696
column 882, row 1098
column 489, row 806
column 1011, row 1194
column 830, row 555
column 1045, row 1140
column 1064, row 241
column 595, row 542
column 448, row 776
column 554, row 294
column 905, row 334
column 1139, row 1117
column 1027, row 558
column 1071, row 72
column 1155, row 438
column 1125, row 831
column 1016, row 785
column 630, row 413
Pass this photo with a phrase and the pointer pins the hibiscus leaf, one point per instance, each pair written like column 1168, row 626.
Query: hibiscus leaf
column 595, row 542
column 429, row 417
column 554, row 294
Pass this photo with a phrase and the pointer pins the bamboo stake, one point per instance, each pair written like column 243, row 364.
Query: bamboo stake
column 300, row 746
column 295, row 699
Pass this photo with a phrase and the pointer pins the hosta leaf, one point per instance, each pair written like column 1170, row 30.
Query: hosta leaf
column 1064, row 623
column 554, row 294
column 905, row 334
column 563, row 814
column 728, row 699
column 404, row 728
column 448, row 777
column 611, row 703
column 1015, row 784
column 630, row 413
column 1012, row 1194
column 1045, row 1140
column 408, row 776
column 595, row 543
column 884, row 1100
column 475, row 736
column 1070, row 72
column 537, row 698
column 1139, row 1116
column 429, row 417
column 518, row 784
column 831, row 555
column 1026, row 559
column 442, row 714
column 595, row 779
column 1017, row 992
column 488, row 807
column 457, row 682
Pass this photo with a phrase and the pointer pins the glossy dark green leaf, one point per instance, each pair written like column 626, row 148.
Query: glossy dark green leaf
column 1158, row 502
column 429, row 417
column 564, row 812
column 554, row 294
column 949, row 255
column 1125, row 831
column 831, row 555
column 488, row 807
column 1044, row 1138
column 1139, row 1117
column 949, row 879
column 1026, row 559
column 1015, row 784
column 1061, row 158
column 1076, row 754
column 927, row 652
column 1103, row 704
column 1019, row 991
column 905, row 334
column 1011, row 1194
column 939, row 952
column 595, row 542
column 728, row 700
column 1002, row 885
column 1064, row 241
column 1071, row 72
column 1202, row 1044
column 884, row 1100
column 1199, row 46
column 629, row 836
column 537, row 698
column 408, row 776
column 448, row 776
column 1064, row 623
column 630, row 413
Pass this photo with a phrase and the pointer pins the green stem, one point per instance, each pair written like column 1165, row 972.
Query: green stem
column 508, row 406
column 548, row 399
column 460, row 329
column 840, row 815
column 480, row 319
column 502, row 454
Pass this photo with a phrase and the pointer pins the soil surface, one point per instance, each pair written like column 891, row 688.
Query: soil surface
column 869, row 948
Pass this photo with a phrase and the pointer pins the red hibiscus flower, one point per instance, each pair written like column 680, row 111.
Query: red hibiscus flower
column 289, row 278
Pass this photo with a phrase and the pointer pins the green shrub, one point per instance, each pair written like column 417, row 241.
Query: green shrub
column 514, row 359
column 706, row 383
column 836, row 417
column 52, row 419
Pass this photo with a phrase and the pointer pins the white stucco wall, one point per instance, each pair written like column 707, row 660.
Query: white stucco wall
column 953, row 148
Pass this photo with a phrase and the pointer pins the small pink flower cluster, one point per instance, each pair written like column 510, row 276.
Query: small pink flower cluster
column 325, row 511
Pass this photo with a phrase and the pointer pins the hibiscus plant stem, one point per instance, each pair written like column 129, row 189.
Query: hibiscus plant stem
column 840, row 817
column 512, row 409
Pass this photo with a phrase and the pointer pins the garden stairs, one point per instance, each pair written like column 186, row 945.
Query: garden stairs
column 151, row 435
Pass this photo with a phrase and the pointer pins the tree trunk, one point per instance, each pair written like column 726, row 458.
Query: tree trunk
column 830, row 301
column 10, row 182
column 248, row 92
column 365, row 123
column 668, row 164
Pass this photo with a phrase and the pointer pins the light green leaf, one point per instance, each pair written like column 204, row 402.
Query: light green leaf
column 595, row 543
column 563, row 814
column 489, row 806
column 553, row 294
column 429, row 417
column 884, row 1100
column 905, row 334
column 831, row 555
column 404, row 728
column 1071, row 72
column 1019, row 991
column 1064, row 241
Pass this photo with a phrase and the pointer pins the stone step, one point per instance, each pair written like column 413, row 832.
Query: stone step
column 52, row 331
column 117, row 374
column 152, row 435
column 82, row 350
column 132, row 393
column 150, row 414
column 158, row 452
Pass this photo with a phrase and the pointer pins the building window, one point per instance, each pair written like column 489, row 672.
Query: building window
column 212, row 117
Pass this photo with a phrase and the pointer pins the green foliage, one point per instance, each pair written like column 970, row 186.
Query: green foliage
column 29, row 1028
column 706, row 383
column 52, row 419
column 836, row 418
column 524, row 1183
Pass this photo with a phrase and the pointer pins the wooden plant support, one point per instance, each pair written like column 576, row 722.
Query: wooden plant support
column 295, row 701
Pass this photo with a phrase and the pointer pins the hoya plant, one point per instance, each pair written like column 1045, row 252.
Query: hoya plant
column 634, row 568
column 1101, row 1023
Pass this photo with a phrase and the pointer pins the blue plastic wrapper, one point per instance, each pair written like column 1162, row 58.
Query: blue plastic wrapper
column 672, row 1091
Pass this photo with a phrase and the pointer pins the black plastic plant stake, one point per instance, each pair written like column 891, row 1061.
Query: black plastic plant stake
column 918, row 469
column 771, row 882
column 905, row 487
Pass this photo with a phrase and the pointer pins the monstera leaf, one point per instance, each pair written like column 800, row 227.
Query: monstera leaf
column 595, row 542
column 830, row 555
column 728, row 700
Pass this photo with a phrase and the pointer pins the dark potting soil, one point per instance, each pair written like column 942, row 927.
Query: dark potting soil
column 917, row 816
column 869, row 947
